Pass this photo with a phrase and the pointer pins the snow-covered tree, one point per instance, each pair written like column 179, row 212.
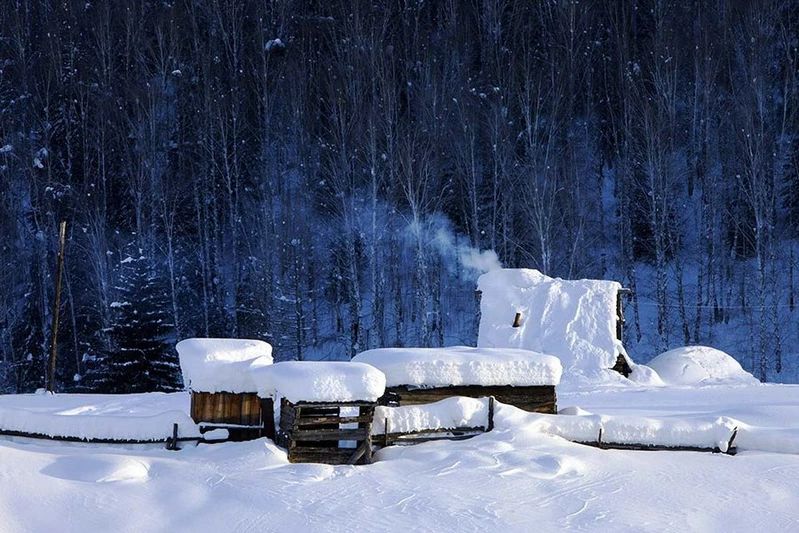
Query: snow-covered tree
column 142, row 356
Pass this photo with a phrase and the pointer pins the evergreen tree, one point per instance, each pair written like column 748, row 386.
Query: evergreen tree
column 142, row 356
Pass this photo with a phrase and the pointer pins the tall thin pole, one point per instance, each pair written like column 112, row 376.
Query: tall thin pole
column 62, row 240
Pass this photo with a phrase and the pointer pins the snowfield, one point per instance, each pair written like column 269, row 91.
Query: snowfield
column 515, row 478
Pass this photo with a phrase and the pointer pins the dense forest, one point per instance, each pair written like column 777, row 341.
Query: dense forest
column 332, row 176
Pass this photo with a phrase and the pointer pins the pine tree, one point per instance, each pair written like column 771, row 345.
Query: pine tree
column 142, row 356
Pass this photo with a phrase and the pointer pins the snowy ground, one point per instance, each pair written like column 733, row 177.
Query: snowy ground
column 512, row 479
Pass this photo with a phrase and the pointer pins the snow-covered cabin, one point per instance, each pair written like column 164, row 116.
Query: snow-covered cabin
column 521, row 378
column 219, row 374
column 578, row 321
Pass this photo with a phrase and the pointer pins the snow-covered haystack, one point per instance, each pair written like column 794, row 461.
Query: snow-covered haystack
column 463, row 365
column 320, row 381
column 574, row 320
column 222, row 365
column 699, row 365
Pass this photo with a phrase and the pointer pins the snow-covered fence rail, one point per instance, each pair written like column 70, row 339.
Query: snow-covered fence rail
column 642, row 433
column 729, row 449
column 170, row 441
column 164, row 428
column 454, row 418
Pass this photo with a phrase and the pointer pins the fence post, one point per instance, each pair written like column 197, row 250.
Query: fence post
column 490, row 413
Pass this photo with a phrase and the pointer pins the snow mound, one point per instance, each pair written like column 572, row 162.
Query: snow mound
column 645, row 375
column 320, row 381
column 574, row 320
column 462, row 365
column 222, row 365
column 450, row 413
column 102, row 469
column 695, row 365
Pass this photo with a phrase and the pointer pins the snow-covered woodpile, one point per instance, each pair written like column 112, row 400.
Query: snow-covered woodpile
column 578, row 321
column 326, row 409
column 223, row 393
column 521, row 378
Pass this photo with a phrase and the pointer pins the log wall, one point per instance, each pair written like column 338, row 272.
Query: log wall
column 535, row 399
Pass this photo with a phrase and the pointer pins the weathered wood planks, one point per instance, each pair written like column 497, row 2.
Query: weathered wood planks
column 245, row 415
column 535, row 399
column 314, row 432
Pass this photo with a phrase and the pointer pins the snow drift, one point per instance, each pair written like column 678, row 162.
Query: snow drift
column 222, row 365
column 696, row 365
column 463, row 365
column 574, row 320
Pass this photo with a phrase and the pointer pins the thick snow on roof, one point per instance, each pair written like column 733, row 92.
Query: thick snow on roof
column 574, row 320
column 462, row 365
column 694, row 365
column 320, row 381
column 222, row 365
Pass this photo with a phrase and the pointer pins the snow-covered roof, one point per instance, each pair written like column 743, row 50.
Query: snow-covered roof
column 462, row 365
column 222, row 365
column 574, row 320
column 694, row 365
column 320, row 381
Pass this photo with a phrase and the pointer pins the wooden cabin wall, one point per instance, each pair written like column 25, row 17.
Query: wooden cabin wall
column 534, row 399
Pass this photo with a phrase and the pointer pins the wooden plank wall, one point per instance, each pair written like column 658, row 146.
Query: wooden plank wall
column 312, row 432
column 228, row 409
column 535, row 399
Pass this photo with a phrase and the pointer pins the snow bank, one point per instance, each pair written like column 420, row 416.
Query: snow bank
column 450, row 413
column 154, row 427
column 574, row 320
column 584, row 427
column 645, row 375
column 222, row 365
column 767, row 439
column 461, row 365
column 694, row 365
column 320, row 381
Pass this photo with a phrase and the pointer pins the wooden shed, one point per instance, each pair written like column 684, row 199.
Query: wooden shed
column 520, row 378
column 218, row 372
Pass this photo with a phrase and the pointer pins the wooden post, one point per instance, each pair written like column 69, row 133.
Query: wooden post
column 268, row 418
column 517, row 320
column 62, row 238
column 490, row 413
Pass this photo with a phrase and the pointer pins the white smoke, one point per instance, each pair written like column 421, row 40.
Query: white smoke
column 471, row 258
